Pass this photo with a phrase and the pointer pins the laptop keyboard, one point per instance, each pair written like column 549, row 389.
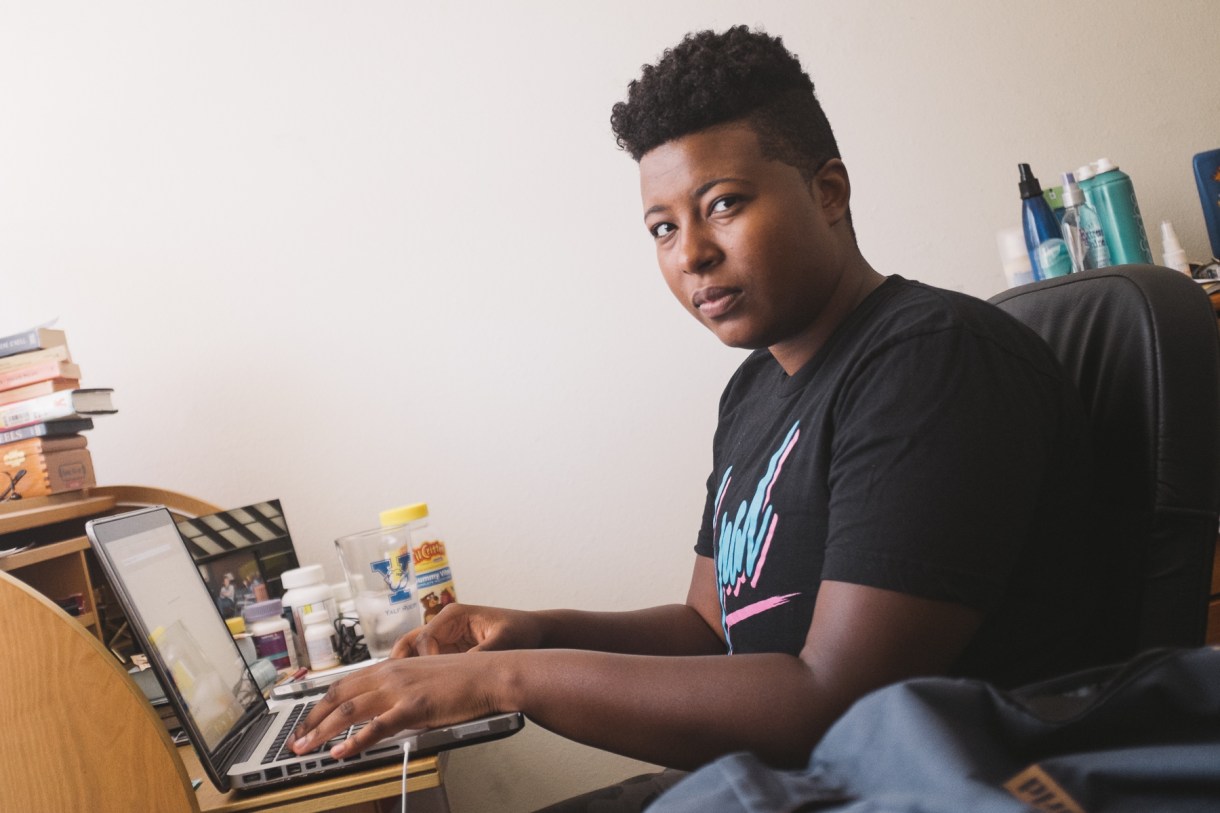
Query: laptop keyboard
column 279, row 749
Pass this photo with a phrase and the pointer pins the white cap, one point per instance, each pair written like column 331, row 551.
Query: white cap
column 301, row 577
column 1072, row 194
column 1174, row 256
column 1103, row 165
column 1084, row 173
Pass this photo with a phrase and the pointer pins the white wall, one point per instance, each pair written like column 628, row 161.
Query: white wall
column 358, row 255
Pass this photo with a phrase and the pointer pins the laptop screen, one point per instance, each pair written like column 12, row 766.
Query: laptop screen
column 175, row 611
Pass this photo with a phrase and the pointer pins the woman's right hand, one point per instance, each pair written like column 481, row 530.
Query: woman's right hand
column 470, row 628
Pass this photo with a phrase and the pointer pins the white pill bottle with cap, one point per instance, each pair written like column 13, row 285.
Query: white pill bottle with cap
column 433, row 575
column 306, row 591
column 320, row 639
column 272, row 633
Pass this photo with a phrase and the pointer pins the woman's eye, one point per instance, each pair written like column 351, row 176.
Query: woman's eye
column 724, row 203
column 661, row 229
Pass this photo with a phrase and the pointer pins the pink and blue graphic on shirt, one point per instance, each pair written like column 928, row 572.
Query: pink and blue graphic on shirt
column 746, row 538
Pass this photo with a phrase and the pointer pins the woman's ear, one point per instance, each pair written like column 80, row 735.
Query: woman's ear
column 831, row 188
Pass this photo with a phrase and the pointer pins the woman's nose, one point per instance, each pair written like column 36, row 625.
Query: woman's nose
column 698, row 251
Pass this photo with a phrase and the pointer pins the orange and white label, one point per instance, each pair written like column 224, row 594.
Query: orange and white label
column 1036, row 788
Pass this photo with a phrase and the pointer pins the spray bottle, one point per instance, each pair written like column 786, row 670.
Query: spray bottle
column 1043, row 239
column 1173, row 256
column 1112, row 195
column 1081, row 229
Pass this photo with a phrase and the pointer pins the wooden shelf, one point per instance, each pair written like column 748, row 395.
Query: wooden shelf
column 22, row 515
column 43, row 553
column 59, row 563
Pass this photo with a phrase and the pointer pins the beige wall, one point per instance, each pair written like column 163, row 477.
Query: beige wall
column 357, row 255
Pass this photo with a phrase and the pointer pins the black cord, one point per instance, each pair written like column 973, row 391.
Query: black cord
column 351, row 646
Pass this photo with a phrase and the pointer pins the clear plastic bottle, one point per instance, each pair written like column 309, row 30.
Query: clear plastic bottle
column 1081, row 229
column 433, row 575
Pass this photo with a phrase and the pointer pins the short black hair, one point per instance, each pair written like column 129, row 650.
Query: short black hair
column 709, row 79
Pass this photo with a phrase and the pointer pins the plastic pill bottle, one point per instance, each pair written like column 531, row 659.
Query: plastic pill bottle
column 320, row 640
column 306, row 591
column 433, row 575
column 245, row 643
column 272, row 633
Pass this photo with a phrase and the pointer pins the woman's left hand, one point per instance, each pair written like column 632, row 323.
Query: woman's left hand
column 404, row 693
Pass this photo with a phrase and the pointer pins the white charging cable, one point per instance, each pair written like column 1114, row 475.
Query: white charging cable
column 406, row 757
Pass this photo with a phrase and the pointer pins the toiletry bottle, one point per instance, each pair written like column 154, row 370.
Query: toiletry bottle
column 1081, row 229
column 1173, row 255
column 1043, row 240
column 1053, row 195
column 1014, row 259
column 1112, row 196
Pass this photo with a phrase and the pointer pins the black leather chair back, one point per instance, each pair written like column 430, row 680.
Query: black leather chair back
column 1143, row 346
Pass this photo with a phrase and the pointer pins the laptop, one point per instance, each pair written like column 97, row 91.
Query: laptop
column 240, row 737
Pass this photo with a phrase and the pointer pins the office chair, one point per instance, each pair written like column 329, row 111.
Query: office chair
column 1142, row 344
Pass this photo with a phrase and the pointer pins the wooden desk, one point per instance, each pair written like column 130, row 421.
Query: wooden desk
column 349, row 792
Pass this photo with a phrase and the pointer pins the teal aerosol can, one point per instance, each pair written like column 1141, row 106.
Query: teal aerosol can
column 1112, row 195
column 1048, row 254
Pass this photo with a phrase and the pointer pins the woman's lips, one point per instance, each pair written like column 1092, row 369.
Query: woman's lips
column 715, row 302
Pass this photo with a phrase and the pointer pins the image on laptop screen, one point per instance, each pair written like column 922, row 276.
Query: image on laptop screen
column 197, row 651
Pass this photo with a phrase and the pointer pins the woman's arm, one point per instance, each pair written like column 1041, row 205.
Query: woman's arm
column 674, row 711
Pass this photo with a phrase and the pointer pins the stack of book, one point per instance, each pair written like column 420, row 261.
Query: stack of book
column 43, row 411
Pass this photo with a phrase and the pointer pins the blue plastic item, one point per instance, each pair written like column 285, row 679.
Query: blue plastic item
column 1207, row 176
column 1048, row 254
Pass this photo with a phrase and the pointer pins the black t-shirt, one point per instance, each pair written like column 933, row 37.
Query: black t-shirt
column 931, row 447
